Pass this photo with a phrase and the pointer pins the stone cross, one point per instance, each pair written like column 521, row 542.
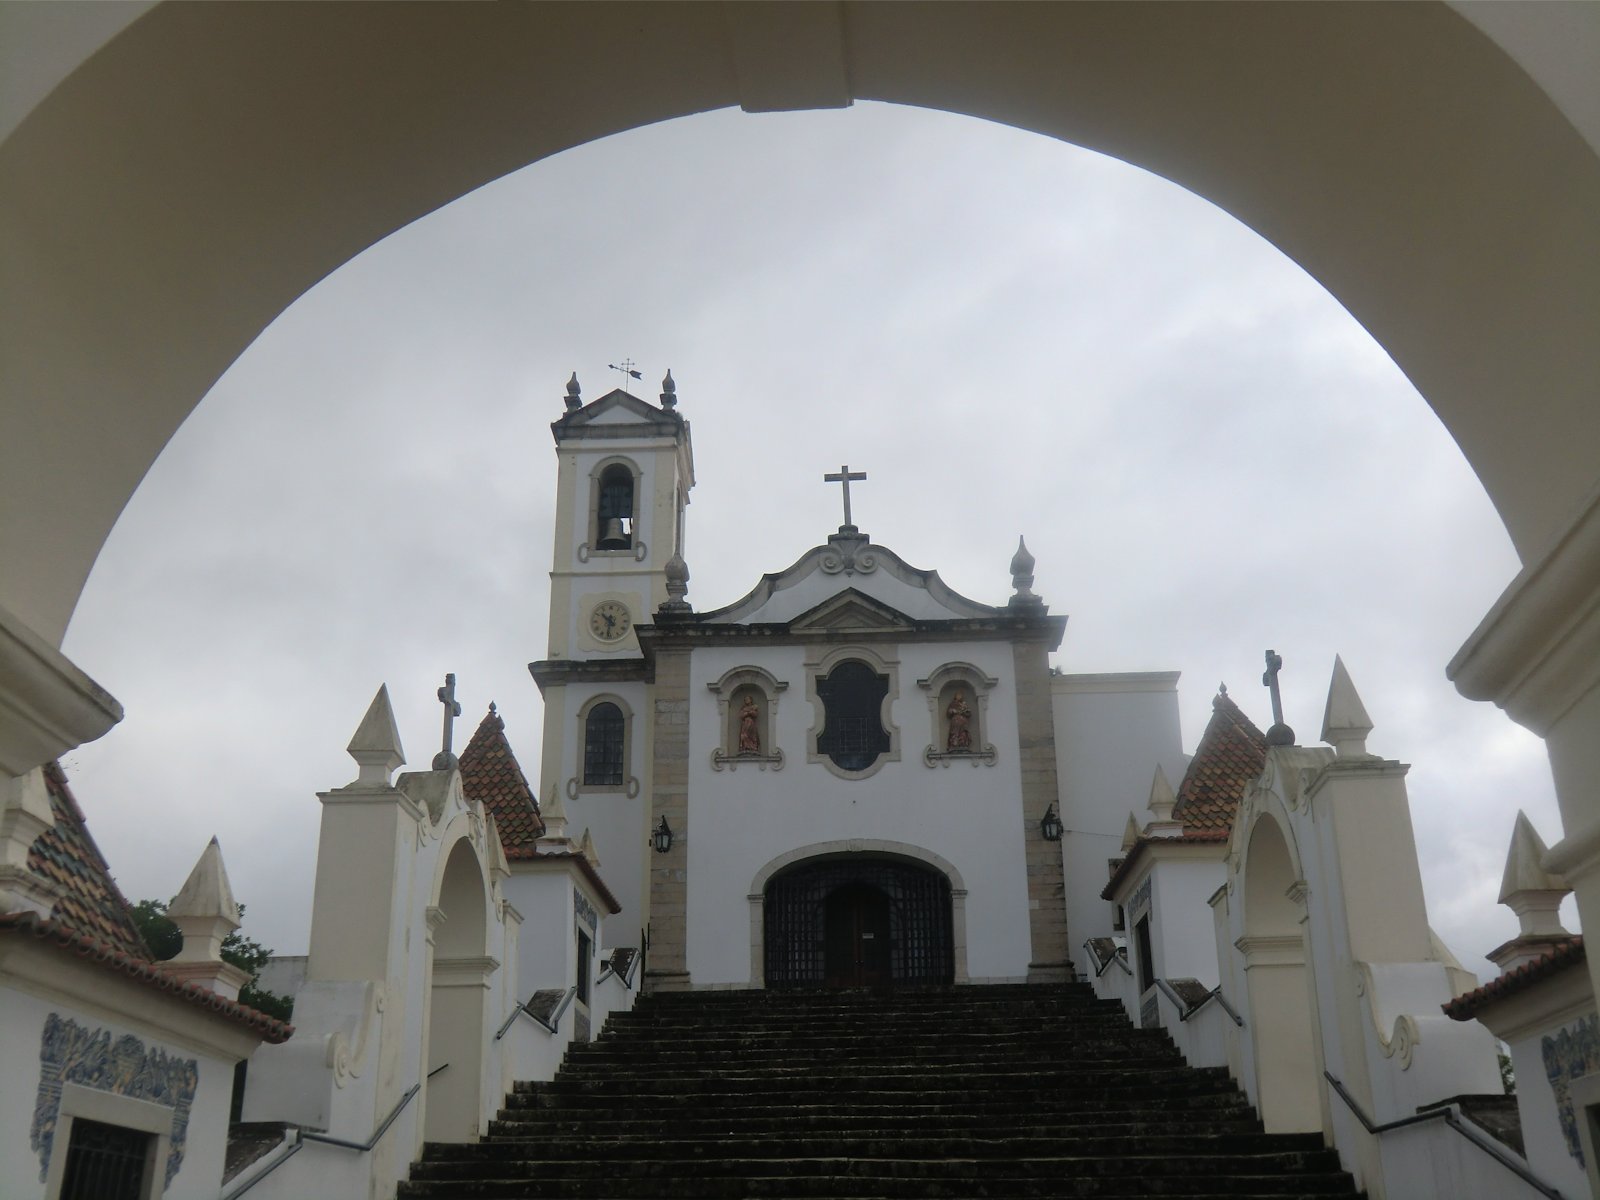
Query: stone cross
column 445, row 760
column 1280, row 734
column 844, row 476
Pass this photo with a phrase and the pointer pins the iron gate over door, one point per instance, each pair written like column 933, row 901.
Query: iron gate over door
column 920, row 947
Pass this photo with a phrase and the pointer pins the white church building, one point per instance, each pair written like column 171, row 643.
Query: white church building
column 850, row 777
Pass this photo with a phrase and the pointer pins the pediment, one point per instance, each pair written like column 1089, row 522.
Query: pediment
column 616, row 407
column 851, row 612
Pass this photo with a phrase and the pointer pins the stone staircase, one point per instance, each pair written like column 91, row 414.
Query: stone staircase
column 998, row 1091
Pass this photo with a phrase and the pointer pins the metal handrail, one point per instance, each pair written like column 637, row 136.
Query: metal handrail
column 1119, row 959
column 1185, row 1012
column 552, row 1026
column 1449, row 1115
column 302, row 1136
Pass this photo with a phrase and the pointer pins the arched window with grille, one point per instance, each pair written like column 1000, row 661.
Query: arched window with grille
column 604, row 745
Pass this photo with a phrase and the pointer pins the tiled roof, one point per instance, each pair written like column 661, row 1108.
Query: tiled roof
column 91, row 917
column 104, row 954
column 1569, row 953
column 90, row 903
column 1231, row 753
column 490, row 775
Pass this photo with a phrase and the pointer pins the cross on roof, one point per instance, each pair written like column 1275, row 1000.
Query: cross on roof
column 445, row 760
column 1280, row 734
column 843, row 476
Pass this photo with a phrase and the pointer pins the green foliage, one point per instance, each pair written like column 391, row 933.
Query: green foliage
column 164, row 940
column 1508, row 1076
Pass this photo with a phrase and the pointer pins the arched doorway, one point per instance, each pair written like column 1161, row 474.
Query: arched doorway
column 858, row 920
column 458, row 984
column 1278, row 979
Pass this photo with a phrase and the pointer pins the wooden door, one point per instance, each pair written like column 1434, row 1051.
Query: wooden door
column 856, row 937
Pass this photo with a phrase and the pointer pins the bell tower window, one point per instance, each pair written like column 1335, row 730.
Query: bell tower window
column 614, row 512
column 604, row 737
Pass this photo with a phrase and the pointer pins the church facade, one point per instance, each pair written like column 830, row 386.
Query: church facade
column 851, row 775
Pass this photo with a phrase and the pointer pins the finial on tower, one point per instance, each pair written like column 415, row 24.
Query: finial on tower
column 1162, row 798
column 1280, row 734
column 1534, row 894
column 1022, row 575
column 1345, row 723
column 574, row 394
column 669, row 391
column 376, row 744
column 677, row 573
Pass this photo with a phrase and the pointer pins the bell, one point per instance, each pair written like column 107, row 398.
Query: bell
column 614, row 538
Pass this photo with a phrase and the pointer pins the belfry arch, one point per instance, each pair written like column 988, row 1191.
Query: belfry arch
column 163, row 202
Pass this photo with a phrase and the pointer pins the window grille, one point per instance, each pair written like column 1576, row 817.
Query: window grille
column 105, row 1162
column 921, row 946
column 852, row 734
column 602, row 746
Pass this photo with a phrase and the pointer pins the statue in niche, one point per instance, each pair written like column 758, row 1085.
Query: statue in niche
column 958, row 718
column 749, row 726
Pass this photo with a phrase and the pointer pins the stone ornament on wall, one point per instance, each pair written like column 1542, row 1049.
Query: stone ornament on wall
column 123, row 1066
column 1570, row 1054
column 958, row 704
column 747, row 709
column 630, row 787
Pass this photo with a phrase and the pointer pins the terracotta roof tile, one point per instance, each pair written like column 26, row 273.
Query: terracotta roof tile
column 91, row 917
column 90, row 903
column 1231, row 753
column 1569, row 953
column 141, row 969
column 490, row 775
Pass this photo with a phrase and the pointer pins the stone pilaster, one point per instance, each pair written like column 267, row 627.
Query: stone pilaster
column 1036, row 737
column 667, row 966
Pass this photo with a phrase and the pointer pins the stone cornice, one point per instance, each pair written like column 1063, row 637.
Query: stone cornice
column 1537, row 652
column 47, row 705
column 673, row 630
column 555, row 672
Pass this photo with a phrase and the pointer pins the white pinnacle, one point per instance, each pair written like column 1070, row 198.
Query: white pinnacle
column 1162, row 798
column 206, row 893
column 1345, row 723
column 376, row 744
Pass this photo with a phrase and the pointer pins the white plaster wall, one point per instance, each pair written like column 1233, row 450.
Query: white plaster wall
column 547, row 949
column 1182, row 935
column 1541, row 1124
column 1111, row 733
column 22, row 1016
column 739, row 821
column 618, row 822
column 1433, row 1160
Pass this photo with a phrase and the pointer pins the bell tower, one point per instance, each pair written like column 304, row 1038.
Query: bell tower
column 623, row 474
column 625, row 467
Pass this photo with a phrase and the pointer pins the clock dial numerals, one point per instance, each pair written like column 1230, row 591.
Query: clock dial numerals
column 610, row 621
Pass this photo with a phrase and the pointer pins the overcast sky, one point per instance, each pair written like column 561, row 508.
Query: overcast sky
column 1207, row 455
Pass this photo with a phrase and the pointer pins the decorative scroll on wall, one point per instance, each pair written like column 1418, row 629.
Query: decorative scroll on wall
column 92, row 1058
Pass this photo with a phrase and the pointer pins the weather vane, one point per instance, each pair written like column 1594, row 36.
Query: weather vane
column 626, row 366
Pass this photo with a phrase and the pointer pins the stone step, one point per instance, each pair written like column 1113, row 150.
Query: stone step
column 993, row 1091
column 1042, row 1145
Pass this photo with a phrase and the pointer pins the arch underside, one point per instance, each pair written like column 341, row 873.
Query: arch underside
column 152, row 231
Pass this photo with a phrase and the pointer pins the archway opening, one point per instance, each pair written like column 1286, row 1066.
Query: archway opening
column 858, row 920
column 458, row 991
column 1288, row 1094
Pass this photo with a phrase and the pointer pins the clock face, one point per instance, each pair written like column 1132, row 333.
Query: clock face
column 610, row 620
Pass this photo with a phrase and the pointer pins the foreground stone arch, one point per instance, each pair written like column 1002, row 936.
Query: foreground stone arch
column 169, row 184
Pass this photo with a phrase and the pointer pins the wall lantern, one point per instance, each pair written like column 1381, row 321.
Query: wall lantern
column 1049, row 825
column 661, row 836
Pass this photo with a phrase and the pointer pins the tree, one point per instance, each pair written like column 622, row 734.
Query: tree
column 164, row 939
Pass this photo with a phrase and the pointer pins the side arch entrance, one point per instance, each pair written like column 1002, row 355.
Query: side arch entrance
column 858, row 920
